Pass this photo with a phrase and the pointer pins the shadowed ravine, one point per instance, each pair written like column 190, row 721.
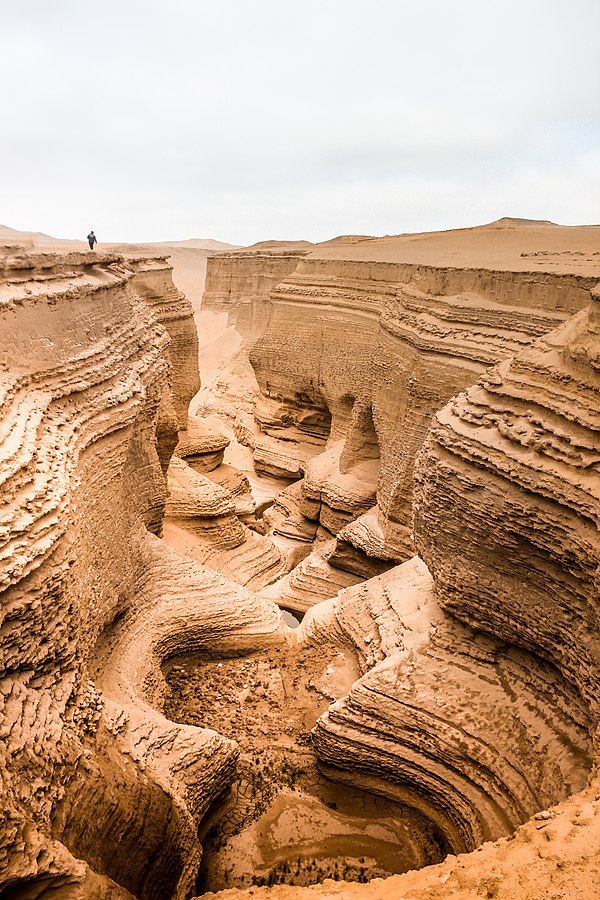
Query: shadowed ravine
column 282, row 821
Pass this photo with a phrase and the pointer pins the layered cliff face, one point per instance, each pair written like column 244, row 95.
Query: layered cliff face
column 524, row 442
column 456, row 724
column 377, row 348
column 238, row 288
column 100, row 794
column 240, row 283
column 357, row 349
column 152, row 281
column 506, row 516
column 477, row 704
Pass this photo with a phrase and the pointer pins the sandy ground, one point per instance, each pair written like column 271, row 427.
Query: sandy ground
column 517, row 245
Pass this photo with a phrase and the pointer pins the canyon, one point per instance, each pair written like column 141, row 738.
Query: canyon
column 328, row 622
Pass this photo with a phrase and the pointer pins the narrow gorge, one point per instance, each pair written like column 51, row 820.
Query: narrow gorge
column 329, row 621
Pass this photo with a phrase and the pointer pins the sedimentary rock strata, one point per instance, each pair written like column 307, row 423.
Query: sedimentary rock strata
column 477, row 713
column 310, row 581
column 362, row 547
column 203, row 507
column 152, row 281
column 284, row 516
column 379, row 347
column 201, row 446
column 479, row 755
column 515, row 458
column 461, row 685
column 254, row 561
column 237, row 288
column 335, row 496
column 239, row 284
column 87, row 418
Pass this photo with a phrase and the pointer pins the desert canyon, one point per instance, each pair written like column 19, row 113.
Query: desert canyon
column 320, row 618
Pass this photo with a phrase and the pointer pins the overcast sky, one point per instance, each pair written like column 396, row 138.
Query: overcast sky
column 243, row 120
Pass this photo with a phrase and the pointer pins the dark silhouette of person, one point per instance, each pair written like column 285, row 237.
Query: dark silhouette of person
column 92, row 239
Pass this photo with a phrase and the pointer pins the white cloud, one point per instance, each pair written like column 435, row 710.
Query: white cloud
column 240, row 120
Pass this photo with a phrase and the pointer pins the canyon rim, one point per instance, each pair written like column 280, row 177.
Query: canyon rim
column 326, row 625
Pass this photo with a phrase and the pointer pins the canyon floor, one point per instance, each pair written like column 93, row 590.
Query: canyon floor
column 283, row 822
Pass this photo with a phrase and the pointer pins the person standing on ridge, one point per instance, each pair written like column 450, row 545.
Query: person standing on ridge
column 92, row 239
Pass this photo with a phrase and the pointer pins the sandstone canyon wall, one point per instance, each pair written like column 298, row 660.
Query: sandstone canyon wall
column 365, row 353
column 101, row 795
column 506, row 516
column 240, row 283
column 523, row 561
column 451, row 408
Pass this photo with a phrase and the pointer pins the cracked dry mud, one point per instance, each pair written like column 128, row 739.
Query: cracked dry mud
column 283, row 822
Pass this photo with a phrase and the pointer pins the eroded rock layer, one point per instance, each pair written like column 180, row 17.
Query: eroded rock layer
column 201, row 447
column 459, row 726
column 377, row 348
column 510, row 476
column 478, row 700
column 240, row 284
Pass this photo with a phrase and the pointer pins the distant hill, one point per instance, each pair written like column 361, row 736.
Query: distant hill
column 279, row 245
column 198, row 244
column 347, row 239
column 39, row 239
column 512, row 221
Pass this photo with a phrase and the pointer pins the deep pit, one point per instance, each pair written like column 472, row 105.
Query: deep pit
column 283, row 822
